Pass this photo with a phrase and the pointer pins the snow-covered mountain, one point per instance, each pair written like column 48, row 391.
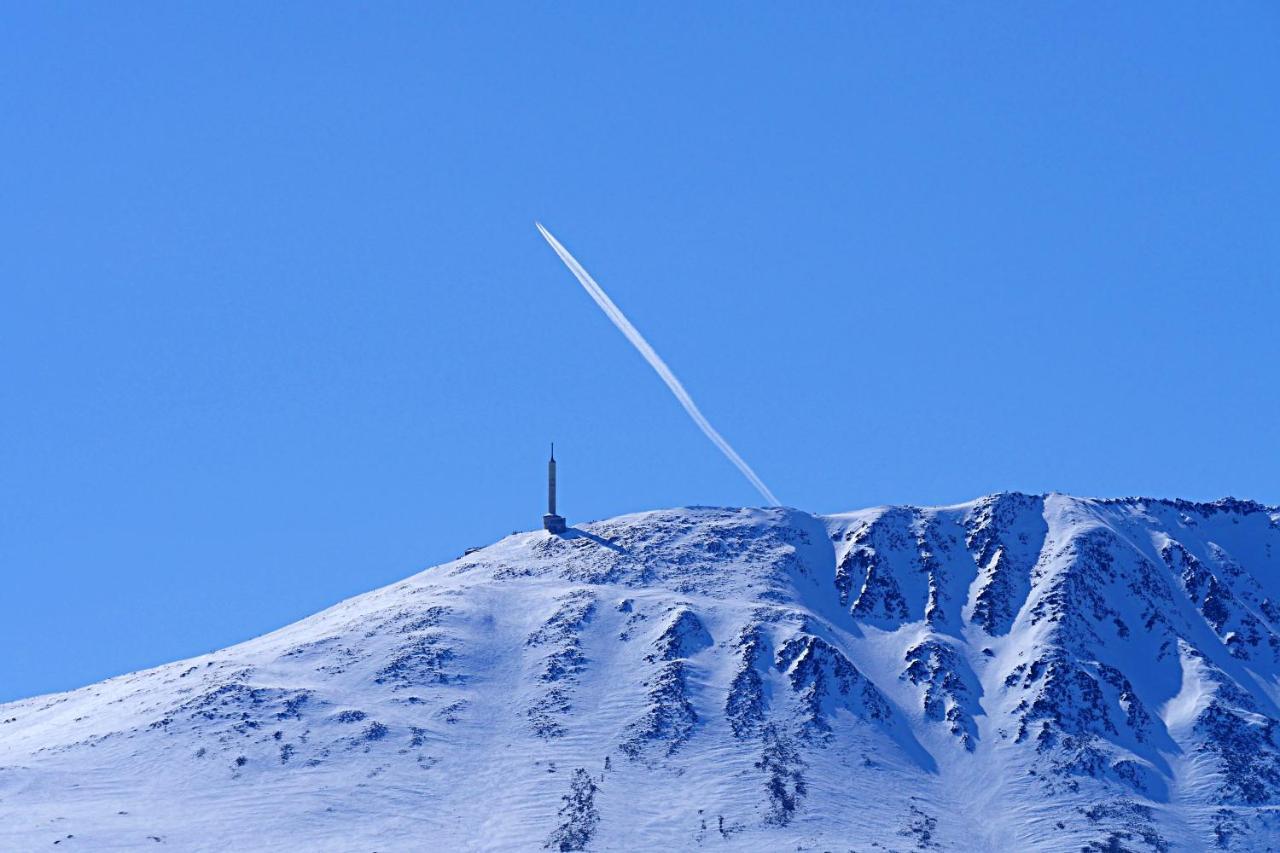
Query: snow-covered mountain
column 1015, row 673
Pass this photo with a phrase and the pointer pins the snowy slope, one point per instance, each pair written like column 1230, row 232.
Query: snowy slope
column 1015, row 673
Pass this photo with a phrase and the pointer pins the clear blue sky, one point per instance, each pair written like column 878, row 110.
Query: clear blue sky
column 277, row 328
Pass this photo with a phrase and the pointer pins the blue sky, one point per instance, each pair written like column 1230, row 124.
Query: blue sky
column 277, row 327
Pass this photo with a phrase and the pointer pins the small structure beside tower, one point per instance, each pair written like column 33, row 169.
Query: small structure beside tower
column 552, row 522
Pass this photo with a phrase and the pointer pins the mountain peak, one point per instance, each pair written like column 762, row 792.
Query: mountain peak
column 1015, row 672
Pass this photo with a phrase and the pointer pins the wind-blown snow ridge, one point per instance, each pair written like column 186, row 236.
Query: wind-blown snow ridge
column 1015, row 673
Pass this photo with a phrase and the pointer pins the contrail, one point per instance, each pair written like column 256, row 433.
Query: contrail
column 655, row 361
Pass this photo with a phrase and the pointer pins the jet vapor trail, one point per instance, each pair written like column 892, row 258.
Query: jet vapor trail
column 655, row 361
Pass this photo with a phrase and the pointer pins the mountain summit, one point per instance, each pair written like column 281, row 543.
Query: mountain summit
column 1015, row 673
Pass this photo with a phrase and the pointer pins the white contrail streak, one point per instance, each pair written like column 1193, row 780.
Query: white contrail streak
column 655, row 361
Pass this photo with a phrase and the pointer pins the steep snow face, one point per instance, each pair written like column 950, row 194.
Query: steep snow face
column 1019, row 672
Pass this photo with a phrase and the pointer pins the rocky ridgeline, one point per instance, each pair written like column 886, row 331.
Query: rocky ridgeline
column 1016, row 672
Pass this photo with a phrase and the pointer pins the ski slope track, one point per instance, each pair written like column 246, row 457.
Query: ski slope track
column 1016, row 673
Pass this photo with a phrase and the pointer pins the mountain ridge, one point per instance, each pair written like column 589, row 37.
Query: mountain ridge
column 1014, row 672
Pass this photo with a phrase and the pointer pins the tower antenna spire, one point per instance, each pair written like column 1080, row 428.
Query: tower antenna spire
column 551, row 521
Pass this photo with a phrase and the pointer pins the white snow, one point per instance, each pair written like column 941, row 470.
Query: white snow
column 1012, row 673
